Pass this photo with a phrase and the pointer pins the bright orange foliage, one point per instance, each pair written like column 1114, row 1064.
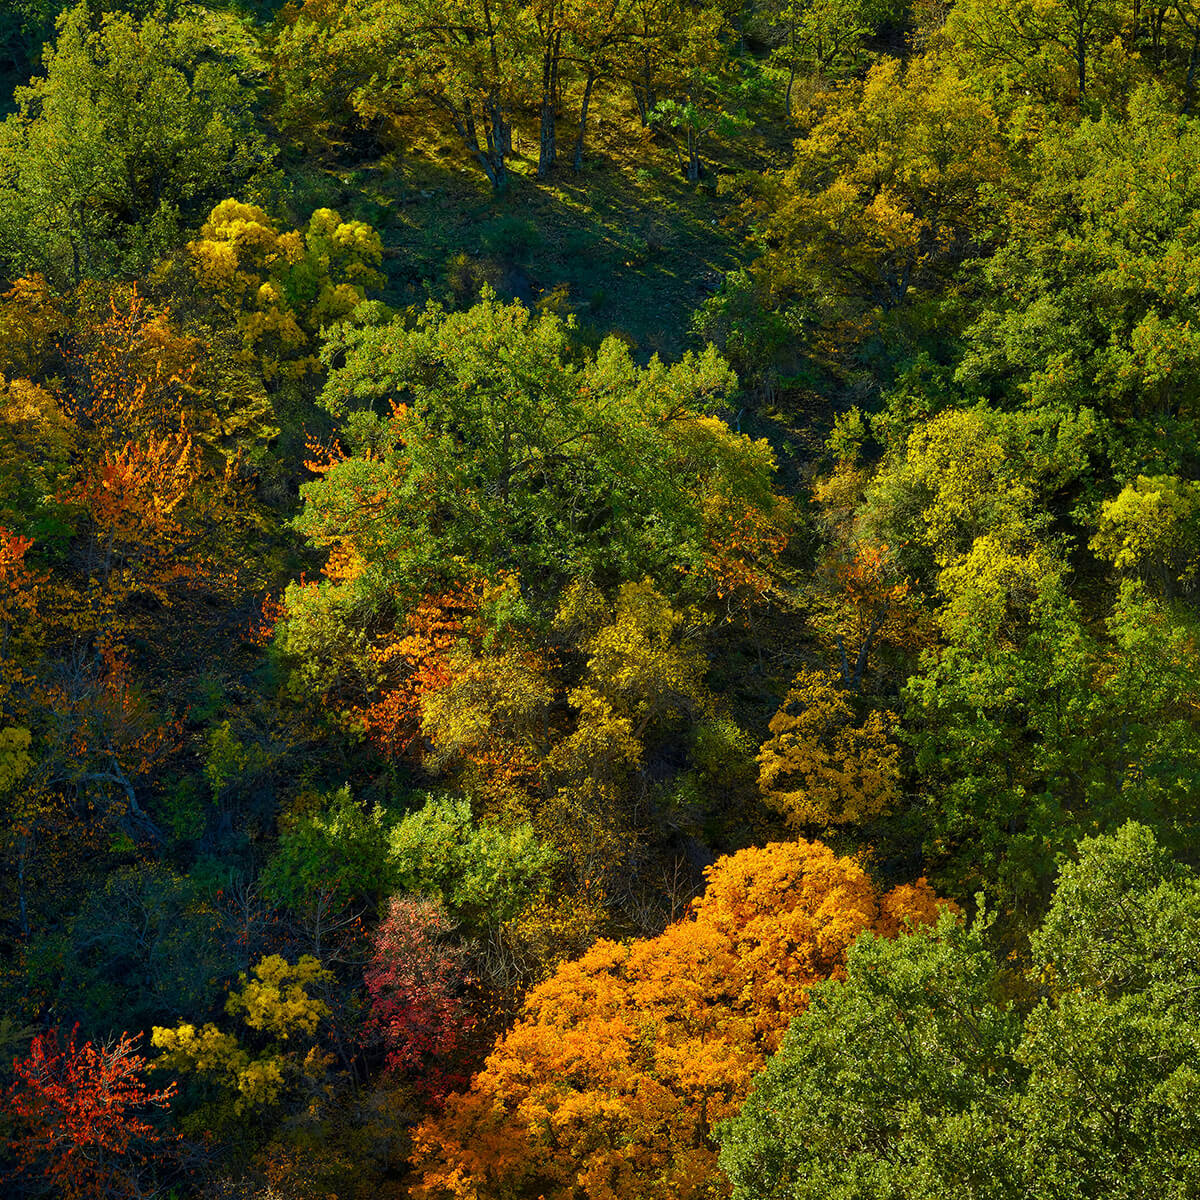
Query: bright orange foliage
column 80, row 1115
column 621, row 1063
column 150, row 505
column 415, row 664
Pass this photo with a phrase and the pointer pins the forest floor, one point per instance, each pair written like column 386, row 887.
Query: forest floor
column 626, row 244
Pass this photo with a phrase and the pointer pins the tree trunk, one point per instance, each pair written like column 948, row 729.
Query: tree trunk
column 547, row 147
column 583, row 116
column 693, row 164
column 547, row 152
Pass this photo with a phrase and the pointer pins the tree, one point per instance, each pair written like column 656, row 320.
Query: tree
column 81, row 1115
column 884, row 197
column 892, row 1082
column 930, row 1071
column 137, row 128
column 1089, row 306
column 492, row 719
column 146, row 946
column 483, row 872
column 1049, row 47
column 623, row 1061
column 335, row 853
column 375, row 58
column 710, row 92
column 416, row 981
column 826, row 37
column 1018, row 741
column 378, row 683
column 1150, row 530
column 483, row 441
column 824, row 766
column 276, row 1061
column 283, row 289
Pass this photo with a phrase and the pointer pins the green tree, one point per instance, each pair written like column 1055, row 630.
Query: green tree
column 827, row 38
column 1020, row 740
column 136, row 129
column 1090, row 300
column 916, row 1077
column 1048, row 46
column 885, row 198
column 482, row 871
column 336, row 852
column 371, row 59
column 486, row 441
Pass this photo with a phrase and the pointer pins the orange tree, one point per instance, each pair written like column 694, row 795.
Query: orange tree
column 80, row 1116
column 621, row 1063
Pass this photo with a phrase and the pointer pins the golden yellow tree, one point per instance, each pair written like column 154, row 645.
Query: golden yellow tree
column 621, row 1063
column 824, row 764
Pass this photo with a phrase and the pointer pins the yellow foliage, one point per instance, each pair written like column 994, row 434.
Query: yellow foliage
column 284, row 287
column 964, row 468
column 639, row 661
column 1151, row 528
column 276, row 999
column 990, row 589
column 15, row 760
column 275, row 1002
column 493, row 714
column 822, row 765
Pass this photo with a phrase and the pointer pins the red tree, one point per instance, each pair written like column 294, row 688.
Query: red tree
column 79, row 1115
column 416, row 980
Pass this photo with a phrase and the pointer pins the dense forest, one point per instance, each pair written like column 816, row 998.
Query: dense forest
column 599, row 600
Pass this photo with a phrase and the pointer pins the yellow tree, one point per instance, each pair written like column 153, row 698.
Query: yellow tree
column 824, row 764
column 283, row 288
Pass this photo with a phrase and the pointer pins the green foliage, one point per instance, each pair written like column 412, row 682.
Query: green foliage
column 137, row 127
column 1091, row 302
column 1018, row 742
column 336, row 853
column 916, row 1077
column 230, row 759
column 508, row 448
column 483, row 872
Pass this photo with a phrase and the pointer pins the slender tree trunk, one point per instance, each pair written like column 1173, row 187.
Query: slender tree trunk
column 583, row 116
column 486, row 156
column 547, row 144
column 546, row 147
column 693, row 150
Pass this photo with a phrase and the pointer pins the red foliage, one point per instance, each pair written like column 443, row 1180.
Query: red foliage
column 79, row 1118
column 416, row 979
